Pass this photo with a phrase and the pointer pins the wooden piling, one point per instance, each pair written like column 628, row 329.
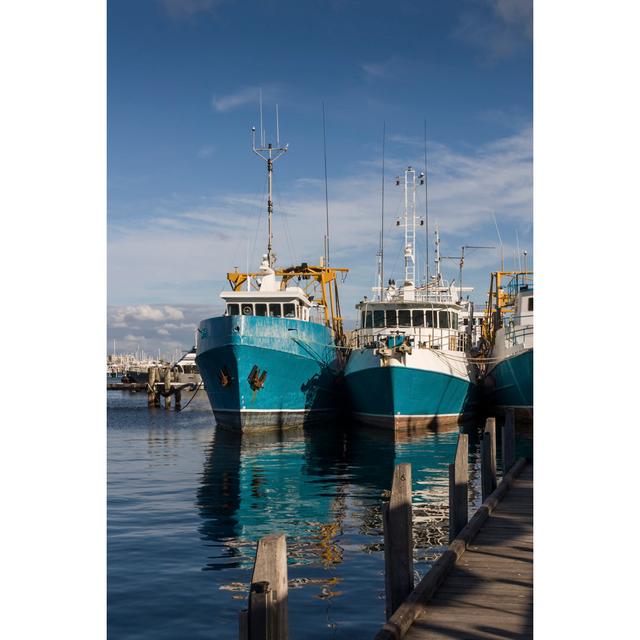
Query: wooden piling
column 271, row 567
column 167, row 388
column 156, row 396
column 151, row 400
column 397, row 522
column 178, row 394
column 261, row 613
column 508, row 440
column 459, row 488
column 243, row 624
column 490, row 426
column 488, row 459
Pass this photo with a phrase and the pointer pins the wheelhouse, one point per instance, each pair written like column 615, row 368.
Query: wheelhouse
column 289, row 303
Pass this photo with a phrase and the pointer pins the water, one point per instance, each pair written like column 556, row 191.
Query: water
column 187, row 503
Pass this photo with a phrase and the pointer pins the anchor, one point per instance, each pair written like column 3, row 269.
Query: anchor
column 256, row 379
column 224, row 376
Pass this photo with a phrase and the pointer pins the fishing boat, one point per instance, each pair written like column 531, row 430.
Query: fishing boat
column 508, row 343
column 272, row 359
column 409, row 366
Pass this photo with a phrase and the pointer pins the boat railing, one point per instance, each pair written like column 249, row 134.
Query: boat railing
column 517, row 334
column 419, row 337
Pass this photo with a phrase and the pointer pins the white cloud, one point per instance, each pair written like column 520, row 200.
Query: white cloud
column 466, row 188
column 145, row 312
column 244, row 96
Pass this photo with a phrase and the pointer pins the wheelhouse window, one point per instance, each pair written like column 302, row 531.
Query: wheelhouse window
column 404, row 317
column 417, row 316
column 368, row 319
column 289, row 310
column 429, row 318
column 261, row 309
column 530, row 307
column 443, row 319
column 454, row 320
column 233, row 309
column 378, row 318
column 247, row 309
column 391, row 318
column 275, row 310
column 465, row 322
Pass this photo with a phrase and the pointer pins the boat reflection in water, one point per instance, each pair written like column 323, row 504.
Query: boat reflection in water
column 323, row 489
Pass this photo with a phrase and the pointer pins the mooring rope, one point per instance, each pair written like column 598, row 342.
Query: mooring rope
column 192, row 397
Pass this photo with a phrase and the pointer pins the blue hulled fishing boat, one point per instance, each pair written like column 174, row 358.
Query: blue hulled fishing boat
column 271, row 361
column 508, row 343
column 409, row 366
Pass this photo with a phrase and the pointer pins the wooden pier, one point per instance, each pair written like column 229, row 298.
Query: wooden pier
column 160, row 384
column 480, row 588
column 489, row 592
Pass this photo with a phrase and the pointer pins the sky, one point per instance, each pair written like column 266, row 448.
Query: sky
column 187, row 197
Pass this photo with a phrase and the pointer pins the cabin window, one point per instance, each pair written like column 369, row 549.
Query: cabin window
column 378, row 318
column 368, row 320
column 454, row 320
column 429, row 320
column 391, row 317
column 404, row 317
column 530, row 304
column 418, row 317
column 362, row 320
column 465, row 321
column 233, row 309
column 261, row 309
column 289, row 310
column 443, row 318
column 247, row 309
column 275, row 310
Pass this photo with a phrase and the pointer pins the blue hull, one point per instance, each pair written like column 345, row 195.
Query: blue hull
column 510, row 382
column 397, row 397
column 262, row 373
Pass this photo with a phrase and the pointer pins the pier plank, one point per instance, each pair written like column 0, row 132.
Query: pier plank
column 489, row 592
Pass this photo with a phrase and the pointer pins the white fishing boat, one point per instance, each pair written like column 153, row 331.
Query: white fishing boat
column 409, row 366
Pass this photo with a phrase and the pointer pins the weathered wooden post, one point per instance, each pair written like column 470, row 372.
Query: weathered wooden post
column 156, row 394
column 459, row 488
column 271, row 568
column 178, row 395
column 243, row 623
column 488, row 459
column 167, row 388
column 397, row 520
column 151, row 400
column 508, row 440
column 261, row 612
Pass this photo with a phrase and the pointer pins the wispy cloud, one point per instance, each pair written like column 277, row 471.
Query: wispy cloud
column 466, row 188
column 497, row 28
column 244, row 96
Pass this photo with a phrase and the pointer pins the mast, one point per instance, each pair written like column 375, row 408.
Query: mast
column 409, row 223
column 326, row 189
column 437, row 258
column 269, row 153
column 380, row 282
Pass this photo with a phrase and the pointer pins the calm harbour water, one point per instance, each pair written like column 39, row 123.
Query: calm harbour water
column 187, row 503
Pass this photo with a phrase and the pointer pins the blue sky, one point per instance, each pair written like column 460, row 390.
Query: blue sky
column 187, row 196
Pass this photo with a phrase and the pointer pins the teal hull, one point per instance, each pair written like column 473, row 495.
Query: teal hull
column 510, row 382
column 263, row 373
column 401, row 396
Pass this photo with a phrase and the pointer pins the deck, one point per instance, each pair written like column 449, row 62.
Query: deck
column 489, row 591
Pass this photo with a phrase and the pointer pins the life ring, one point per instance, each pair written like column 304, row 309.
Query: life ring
column 246, row 311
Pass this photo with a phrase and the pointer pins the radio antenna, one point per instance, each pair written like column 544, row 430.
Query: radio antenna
column 326, row 189
column 426, row 207
column 269, row 153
